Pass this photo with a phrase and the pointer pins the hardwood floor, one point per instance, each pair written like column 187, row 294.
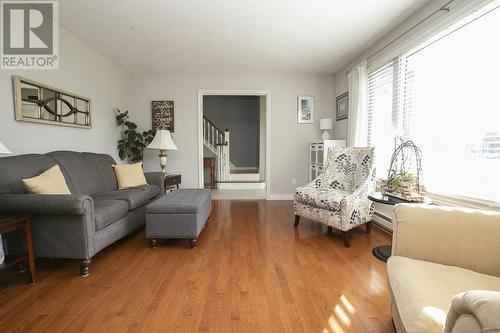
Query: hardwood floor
column 252, row 272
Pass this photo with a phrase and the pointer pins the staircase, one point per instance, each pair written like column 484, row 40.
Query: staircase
column 216, row 143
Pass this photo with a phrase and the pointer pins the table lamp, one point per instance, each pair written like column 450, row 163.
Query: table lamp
column 325, row 124
column 163, row 142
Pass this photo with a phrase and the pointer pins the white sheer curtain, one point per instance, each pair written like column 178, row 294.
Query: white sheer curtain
column 358, row 92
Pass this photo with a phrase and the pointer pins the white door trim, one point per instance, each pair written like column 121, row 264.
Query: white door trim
column 265, row 93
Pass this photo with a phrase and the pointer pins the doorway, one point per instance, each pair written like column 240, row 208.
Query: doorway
column 234, row 137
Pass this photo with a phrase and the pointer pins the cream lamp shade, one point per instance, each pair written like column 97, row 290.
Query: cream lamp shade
column 4, row 150
column 325, row 124
column 163, row 142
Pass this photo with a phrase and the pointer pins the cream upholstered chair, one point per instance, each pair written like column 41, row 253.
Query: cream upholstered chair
column 339, row 196
column 444, row 273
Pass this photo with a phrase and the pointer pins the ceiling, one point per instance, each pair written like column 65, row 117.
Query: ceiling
column 204, row 36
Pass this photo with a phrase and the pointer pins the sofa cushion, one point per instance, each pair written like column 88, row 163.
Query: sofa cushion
column 421, row 291
column 134, row 197
column 321, row 197
column 13, row 169
column 130, row 175
column 51, row 181
column 86, row 173
column 104, row 164
column 184, row 201
column 108, row 211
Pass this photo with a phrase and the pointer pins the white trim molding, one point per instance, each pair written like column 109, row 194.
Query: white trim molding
column 236, row 92
column 461, row 201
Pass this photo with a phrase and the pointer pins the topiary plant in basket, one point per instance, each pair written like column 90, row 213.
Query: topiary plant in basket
column 132, row 143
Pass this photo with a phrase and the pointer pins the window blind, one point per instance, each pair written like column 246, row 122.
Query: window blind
column 443, row 96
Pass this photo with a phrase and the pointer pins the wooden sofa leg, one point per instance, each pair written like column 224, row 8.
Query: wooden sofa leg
column 193, row 242
column 153, row 242
column 297, row 220
column 84, row 267
column 368, row 227
column 345, row 235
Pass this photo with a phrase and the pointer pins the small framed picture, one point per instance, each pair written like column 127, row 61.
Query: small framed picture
column 305, row 109
column 342, row 106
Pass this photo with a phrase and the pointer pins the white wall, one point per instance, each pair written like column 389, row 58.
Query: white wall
column 84, row 71
column 289, row 140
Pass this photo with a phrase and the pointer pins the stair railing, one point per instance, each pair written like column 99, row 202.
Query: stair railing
column 218, row 141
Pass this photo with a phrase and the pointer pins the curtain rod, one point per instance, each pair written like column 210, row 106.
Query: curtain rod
column 440, row 9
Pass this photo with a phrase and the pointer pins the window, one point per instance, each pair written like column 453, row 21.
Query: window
column 380, row 110
column 444, row 96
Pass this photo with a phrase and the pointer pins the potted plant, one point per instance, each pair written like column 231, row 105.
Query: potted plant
column 132, row 143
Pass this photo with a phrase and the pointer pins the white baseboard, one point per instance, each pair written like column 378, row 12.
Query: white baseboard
column 280, row 196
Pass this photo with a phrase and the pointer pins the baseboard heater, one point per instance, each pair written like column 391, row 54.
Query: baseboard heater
column 379, row 225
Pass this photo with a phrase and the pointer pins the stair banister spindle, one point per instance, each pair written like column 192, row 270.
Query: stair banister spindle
column 217, row 140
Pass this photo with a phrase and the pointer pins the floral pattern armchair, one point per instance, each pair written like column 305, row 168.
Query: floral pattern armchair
column 339, row 196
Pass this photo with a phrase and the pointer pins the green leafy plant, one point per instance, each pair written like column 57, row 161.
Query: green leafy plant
column 401, row 177
column 132, row 143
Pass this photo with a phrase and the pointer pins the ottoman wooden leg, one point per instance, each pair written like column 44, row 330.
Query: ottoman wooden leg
column 193, row 242
column 154, row 243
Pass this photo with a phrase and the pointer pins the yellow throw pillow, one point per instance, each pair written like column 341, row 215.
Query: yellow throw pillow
column 49, row 182
column 130, row 175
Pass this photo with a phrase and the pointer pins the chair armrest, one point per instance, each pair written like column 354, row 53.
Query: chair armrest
column 356, row 208
column 474, row 311
column 37, row 204
column 460, row 237
column 156, row 178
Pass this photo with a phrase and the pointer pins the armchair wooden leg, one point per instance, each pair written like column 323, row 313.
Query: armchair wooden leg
column 368, row 227
column 297, row 220
column 330, row 229
column 84, row 267
column 345, row 235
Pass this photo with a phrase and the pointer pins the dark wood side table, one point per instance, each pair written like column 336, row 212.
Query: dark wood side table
column 210, row 162
column 383, row 252
column 172, row 180
column 15, row 223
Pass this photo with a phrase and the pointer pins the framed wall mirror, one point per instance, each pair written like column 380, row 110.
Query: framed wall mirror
column 39, row 103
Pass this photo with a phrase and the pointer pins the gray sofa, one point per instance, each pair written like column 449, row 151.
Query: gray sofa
column 79, row 225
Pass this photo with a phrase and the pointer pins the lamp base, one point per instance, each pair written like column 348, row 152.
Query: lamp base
column 163, row 161
column 326, row 135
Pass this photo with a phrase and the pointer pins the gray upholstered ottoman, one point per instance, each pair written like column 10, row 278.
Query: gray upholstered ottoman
column 178, row 214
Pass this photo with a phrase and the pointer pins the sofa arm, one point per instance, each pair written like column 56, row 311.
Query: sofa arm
column 156, row 178
column 460, row 237
column 54, row 205
column 474, row 311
